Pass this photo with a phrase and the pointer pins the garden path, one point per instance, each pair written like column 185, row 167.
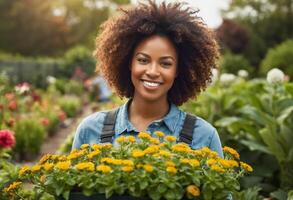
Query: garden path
column 52, row 144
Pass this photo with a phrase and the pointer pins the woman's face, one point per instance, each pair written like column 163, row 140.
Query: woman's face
column 153, row 68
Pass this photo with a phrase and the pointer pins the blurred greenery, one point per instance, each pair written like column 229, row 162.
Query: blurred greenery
column 269, row 22
column 49, row 27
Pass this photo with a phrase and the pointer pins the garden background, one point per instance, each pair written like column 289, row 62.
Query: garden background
column 46, row 71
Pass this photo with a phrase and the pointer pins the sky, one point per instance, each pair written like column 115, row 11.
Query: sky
column 209, row 9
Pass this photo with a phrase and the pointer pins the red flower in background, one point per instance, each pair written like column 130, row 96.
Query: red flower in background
column 1, row 107
column 7, row 139
column 36, row 97
column 12, row 105
column 45, row 121
column 62, row 116
column 9, row 96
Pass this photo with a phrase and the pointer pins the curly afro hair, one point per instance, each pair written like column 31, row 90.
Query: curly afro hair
column 196, row 47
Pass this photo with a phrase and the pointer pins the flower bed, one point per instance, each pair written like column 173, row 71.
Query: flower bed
column 144, row 167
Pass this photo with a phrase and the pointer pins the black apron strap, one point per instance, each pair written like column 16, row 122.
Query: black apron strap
column 108, row 130
column 186, row 134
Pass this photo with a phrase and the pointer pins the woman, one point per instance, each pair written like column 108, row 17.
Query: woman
column 158, row 56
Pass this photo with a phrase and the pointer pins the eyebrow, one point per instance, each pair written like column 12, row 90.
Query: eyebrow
column 163, row 57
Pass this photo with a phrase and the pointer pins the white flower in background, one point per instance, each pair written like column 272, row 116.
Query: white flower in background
column 226, row 78
column 275, row 75
column 215, row 75
column 51, row 79
column 242, row 73
column 22, row 88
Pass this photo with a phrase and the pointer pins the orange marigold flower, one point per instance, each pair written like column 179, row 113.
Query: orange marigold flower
column 246, row 167
column 231, row 151
column 193, row 190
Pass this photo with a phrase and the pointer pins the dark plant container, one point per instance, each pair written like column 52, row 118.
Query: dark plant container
column 80, row 196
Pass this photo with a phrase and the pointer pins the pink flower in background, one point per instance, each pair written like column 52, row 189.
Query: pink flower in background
column 7, row 139
column 22, row 87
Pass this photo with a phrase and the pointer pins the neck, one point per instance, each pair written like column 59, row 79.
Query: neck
column 150, row 110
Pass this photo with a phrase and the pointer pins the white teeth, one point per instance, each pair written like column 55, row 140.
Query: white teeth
column 151, row 84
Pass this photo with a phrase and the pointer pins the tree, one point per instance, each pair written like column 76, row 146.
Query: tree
column 268, row 21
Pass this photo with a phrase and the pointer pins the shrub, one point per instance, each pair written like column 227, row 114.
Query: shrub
column 78, row 57
column 279, row 57
column 232, row 63
column 70, row 105
column 29, row 134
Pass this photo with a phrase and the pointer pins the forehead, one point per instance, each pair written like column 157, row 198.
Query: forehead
column 156, row 45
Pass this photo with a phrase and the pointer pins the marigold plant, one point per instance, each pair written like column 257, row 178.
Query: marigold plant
column 163, row 170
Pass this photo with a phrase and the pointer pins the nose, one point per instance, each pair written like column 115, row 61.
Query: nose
column 153, row 70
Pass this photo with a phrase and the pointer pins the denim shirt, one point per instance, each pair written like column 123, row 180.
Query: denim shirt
column 204, row 134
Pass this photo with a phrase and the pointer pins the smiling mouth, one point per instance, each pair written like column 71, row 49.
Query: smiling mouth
column 150, row 84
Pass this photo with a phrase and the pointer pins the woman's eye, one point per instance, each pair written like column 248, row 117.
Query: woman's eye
column 142, row 60
column 166, row 64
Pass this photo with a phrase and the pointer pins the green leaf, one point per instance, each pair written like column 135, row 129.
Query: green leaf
column 162, row 188
column 143, row 184
column 255, row 145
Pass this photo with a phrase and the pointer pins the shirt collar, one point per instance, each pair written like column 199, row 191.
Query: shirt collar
column 123, row 124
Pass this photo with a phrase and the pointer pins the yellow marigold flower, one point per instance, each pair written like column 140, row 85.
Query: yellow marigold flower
column 85, row 166
column 151, row 149
column 170, row 138
column 211, row 162
column 165, row 153
column 131, row 139
column 48, row 166
column 63, row 165
column 12, row 186
column 104, row 168
column 73, row 155
column 172, row 170
column 84, row 146
column 116, row 162
column 160, row 134
column 93, row 154
column 181, row 148
column 184, row 161
column 127, row 168
column 127, row 162
column 107, row 146
column 36, row 168
column 206, row 150
column 23, row 170
column 193, row 190
column 54, row 157
column 148, row 168
column 231, row 151
column 144, row 135
column 62, row 158
column 96, row 146
column 246, row 167
column 170, row 164
column 137, row 153
column 155, row 140
column 44, row 158
column 121, row 139
column 213, row 154
column 194, row 163
column 217, row 169
column 198, row 152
